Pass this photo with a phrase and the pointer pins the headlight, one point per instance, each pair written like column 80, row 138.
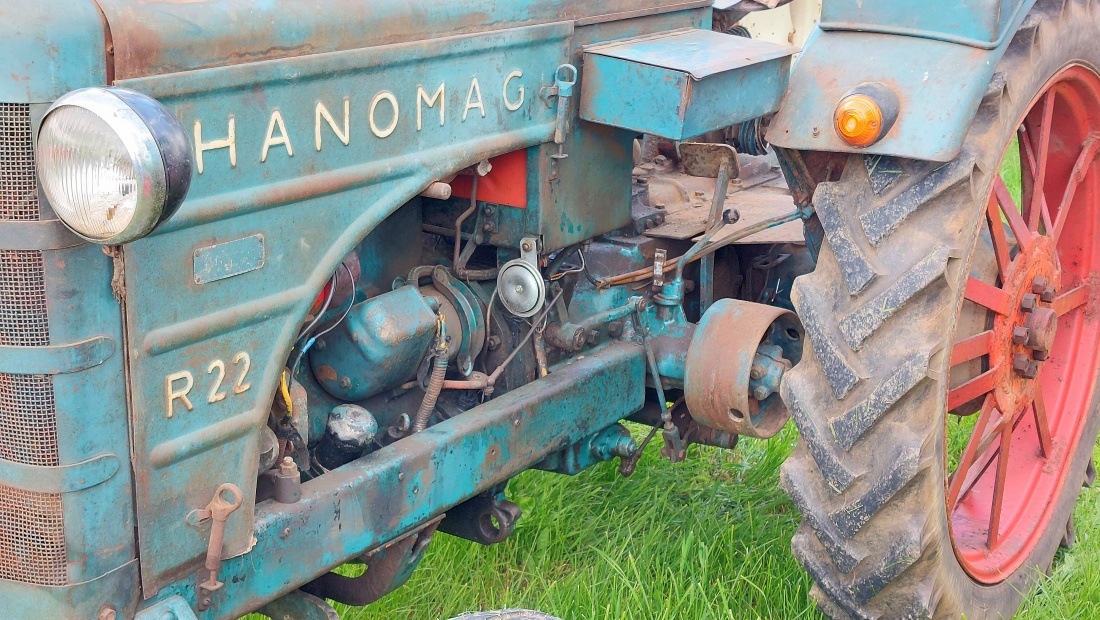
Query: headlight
column 113, row 163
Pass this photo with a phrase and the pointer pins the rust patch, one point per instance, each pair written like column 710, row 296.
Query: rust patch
column 327, row 373
column 1092, row 306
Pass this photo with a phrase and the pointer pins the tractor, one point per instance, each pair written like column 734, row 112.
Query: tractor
column 288, row 288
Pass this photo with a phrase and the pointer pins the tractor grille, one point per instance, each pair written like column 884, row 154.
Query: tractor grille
column 32, row 534
column 18, row 184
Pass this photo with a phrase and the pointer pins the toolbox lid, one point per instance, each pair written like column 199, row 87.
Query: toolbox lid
column 682, row 83
column 699, row 53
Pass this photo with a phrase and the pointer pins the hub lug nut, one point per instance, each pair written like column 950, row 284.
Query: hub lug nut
column 1020, row 363
column 760, row 393
column 1028, row 302
column 1038, row 284
column 1020, row 334
column 1031, row 371
column 1048, row 294
column 1025, row 366
column 1040, row 355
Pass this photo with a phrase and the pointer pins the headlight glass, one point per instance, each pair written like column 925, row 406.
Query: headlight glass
column 87, row 173
column 113, row 163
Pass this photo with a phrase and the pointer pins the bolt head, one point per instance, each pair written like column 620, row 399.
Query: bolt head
column 1031, row 371
column 1020, row 363
column 345, row 382
column 1028, row 302
column 1020, row 334
column 1040, row 355
column 592, row 337
column 615, row 330
column 756, row 371
column 1038, row 284
column 108, row 613
column 760, row 393
column 1048, row 294
column 526, row 247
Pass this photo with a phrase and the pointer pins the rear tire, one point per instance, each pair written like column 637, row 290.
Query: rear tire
column 881, row 311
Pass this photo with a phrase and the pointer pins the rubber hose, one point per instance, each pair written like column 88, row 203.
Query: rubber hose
column 435, row 386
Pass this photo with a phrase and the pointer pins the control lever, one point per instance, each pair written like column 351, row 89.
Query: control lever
column 218, row 511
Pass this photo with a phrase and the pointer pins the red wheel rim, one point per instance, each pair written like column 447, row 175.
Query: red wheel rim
column 1002, row 495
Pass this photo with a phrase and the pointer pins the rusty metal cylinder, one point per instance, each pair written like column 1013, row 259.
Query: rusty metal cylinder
column 735, row 361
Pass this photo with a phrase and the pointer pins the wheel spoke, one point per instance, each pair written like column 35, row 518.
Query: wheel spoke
column 969, row 454
column 999, row 486
column 1041, row 423
column 1071, row 300
column 970, row 477
column 998, row 236
column 1080, row 171
column 982, row 384
column 1012, row 214
column 1027, row 183
column 971, row 348
column 986, row 295
column 1044, row 151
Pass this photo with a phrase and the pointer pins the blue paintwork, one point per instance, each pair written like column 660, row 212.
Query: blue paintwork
column 977, row 23
column 939, row 83
column 49, row 48
column 387, row 334
column 683, row 84
column 352, row 510
column 199, row 297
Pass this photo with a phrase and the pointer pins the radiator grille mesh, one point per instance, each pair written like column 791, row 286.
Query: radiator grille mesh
column 18, row 183
column 28, row 419
column 23, row 318
column 32, row 537
column 32, row 532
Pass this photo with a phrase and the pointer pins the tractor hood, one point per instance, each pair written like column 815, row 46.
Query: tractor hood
column 152, row 38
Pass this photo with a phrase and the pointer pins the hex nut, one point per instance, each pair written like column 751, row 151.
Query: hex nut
column 1020, row 334
column 1029, row 302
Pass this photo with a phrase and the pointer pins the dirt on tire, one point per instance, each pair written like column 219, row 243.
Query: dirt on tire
column 880, row 310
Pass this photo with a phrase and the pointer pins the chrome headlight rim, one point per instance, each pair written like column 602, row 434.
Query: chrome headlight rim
column 159, row 152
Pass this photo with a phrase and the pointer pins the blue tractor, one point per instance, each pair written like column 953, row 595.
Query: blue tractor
column 291, row 285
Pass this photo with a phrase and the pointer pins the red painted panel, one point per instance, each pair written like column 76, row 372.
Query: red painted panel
column 506, row 183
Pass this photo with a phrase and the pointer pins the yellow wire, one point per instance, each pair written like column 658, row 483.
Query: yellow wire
column 284, row 389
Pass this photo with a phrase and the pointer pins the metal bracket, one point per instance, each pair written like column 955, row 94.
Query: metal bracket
column 564, row 79
column 474, row 519
column 529, row 250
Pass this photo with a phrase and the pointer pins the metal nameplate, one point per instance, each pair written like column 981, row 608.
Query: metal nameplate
column 232, row 258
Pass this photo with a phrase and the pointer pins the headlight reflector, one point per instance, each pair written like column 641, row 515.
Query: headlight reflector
column 113, row 163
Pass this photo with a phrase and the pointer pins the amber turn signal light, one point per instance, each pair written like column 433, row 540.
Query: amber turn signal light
column 859, row 120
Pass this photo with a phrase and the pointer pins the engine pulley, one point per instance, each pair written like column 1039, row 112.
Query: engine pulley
column 735, row 362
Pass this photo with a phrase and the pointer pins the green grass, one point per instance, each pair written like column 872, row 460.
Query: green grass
column 706, row 538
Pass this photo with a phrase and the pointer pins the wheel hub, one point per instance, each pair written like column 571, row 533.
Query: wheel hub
column 1023, row 336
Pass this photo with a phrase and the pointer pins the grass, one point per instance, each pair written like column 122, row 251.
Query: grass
column 708, row 538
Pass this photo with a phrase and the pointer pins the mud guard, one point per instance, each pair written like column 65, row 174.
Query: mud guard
column 939, row 76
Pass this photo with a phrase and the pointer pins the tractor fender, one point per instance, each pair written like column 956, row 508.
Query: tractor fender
column 940, row 71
